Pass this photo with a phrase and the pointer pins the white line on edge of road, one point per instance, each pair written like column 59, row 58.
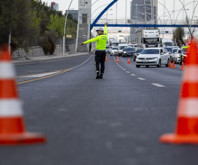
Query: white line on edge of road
column 158, row 85
column 139, row 78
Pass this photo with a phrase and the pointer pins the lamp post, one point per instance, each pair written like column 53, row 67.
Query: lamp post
column 10, row 34
column 66, row 15
column 189, row 28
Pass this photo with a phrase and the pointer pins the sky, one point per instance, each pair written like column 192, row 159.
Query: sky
column 96, row 9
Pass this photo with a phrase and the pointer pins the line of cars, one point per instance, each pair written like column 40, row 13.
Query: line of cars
column 149, row 56
column 125, row 50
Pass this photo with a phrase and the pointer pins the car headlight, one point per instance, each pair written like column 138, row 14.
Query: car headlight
column 155, row 59
column 124, row 52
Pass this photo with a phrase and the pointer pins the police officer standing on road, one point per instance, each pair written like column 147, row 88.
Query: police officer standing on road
column 100, row 53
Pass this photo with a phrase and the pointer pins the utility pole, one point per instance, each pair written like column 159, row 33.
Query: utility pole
column 145, row 13
column 126, row 11
column 66, row 15
column 116, row 12
column 174, row 10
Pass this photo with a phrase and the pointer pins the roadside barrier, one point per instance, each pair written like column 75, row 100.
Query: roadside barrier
column 12, row 125
column 186, row 131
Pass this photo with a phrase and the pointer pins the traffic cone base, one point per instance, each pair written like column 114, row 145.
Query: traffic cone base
column 24, row 138
column 179, row 139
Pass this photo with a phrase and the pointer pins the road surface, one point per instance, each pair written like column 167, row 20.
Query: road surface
column 114, row 121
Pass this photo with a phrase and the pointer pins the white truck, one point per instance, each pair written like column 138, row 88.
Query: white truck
column 148, row 38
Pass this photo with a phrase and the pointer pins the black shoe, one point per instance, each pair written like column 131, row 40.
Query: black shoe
column 97, row 76
column 101, row 76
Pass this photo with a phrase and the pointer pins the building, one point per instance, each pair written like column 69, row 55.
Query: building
column 142, row 12
column 74, row 14
column 55, row 6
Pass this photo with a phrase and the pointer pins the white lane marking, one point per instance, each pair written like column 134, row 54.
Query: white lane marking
column 124, row 69
column 127, row 72
column 133, row 75
column 158, row 85
column 39, row 75
column 142, row 79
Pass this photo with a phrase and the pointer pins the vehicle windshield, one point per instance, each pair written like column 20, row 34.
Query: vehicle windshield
column 168, row 43
column 129, row 49
column 114, row 44
column 150, row 51
column 122, row 47
column 139, row 50
column 169, row 49
column 175, row 50
column 115, row 48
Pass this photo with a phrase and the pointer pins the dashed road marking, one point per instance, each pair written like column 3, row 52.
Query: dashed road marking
column 133, row 75
column 127, row 72
column 142, row 79
column 158, row 85
column 124, row 69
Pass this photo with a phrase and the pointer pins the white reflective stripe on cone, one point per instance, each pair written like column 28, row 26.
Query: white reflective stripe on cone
column 188, row 107
column 10, row 108
column 7, row 70
column 191, row 73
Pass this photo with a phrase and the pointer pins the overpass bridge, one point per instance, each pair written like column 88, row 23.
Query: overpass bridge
column 131, row 23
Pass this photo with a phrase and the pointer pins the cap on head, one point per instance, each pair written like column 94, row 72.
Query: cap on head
column 100, row 29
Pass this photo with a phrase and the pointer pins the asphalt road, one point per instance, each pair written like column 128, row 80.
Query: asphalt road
column 114, row 121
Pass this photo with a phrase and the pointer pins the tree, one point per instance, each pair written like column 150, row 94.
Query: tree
column 178, row 36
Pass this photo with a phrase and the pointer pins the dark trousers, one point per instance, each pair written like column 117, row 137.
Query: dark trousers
column 100, row 61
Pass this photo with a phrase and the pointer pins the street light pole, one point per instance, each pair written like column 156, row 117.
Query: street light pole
column 66, row 15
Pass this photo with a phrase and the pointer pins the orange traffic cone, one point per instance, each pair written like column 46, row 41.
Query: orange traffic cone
column 12, row 126
column 169, row 64
column 187, row 120
column 106, row 58
column 173, row 66
column 129, row 61
column 117, row 59
column 182, row 67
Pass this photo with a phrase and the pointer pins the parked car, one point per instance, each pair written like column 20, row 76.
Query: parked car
column 153, row 57
column 128, row 51
column 121, row 47
column 114, row 51
column 138, row 51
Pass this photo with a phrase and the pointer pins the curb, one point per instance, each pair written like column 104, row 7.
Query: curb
column 21, row 62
